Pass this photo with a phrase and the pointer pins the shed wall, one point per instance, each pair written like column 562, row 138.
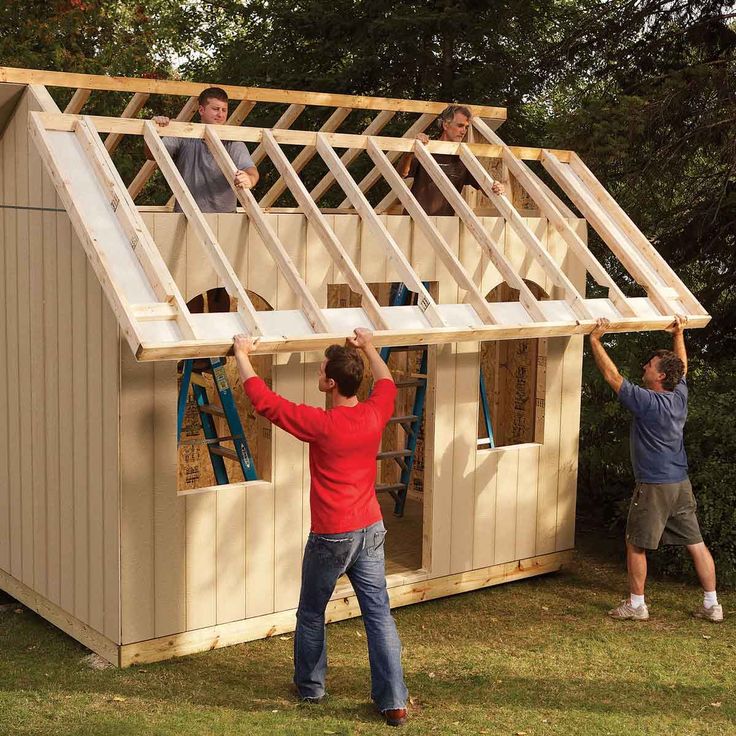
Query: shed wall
column 59, row 387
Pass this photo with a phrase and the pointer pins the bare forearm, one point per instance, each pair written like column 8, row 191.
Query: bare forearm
column 253, row 175
column 378, row 368
column 245, row 367
column 405, row 164
column 678, row 348
column 605, row 365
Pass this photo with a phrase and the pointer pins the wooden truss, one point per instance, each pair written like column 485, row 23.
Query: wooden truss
column 158, row 325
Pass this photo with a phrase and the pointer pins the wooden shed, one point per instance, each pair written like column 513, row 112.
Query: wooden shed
column 111, row 526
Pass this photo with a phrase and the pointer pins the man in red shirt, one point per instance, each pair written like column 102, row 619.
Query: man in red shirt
column 347, row 532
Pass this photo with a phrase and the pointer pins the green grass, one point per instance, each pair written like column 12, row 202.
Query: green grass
column 536, row 657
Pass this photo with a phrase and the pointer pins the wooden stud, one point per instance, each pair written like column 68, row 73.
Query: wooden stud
column 600, row 221
column 305, row 156
column 283, row 123
column 438, row 243
column 425, row 302
column 241, row 112
column 311, row 309
column 77, row 102
column 528, row 238
column 135, row 105
column 195, row 217
column 374, row 127
column 325, row 232
column 495, row 253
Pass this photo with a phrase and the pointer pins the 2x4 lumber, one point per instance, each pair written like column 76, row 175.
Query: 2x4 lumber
column 241, row 112
column 283, row 123
column 59, row 121
column 143, row 246
column 326, row 233
column 431, row 336
column 195, row 217
column 137, row 101
column 610, row 235
column 540, row 194
column 637, row 237
column 420, row 217
column 474, row 225
column 492, row 137
column 77, row 102
column 256, row 94
column 528, row 238
column 97, row 260
column 375, row 126
column 373, row 176
column 146, row 171
column 305, row 155
column 308, row 304
column 407, row 274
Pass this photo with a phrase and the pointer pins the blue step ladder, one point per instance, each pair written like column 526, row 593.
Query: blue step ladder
column 207, row 411
column 410, row 423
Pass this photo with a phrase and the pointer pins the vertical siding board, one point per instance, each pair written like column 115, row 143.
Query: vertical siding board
column 111, row 471
column 95, row 517
column 4, row 414
column 484, row 527
column 231, row 508
column 66, row 412
column 504, row 547
column 137, row 442
column 526, row 509
column 81, row 430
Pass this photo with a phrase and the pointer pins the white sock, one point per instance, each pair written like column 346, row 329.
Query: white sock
column 710, row 599
column 637, row 600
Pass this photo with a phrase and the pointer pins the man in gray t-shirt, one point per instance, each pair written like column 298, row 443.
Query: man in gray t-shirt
column 211, row 190
column 662, row 508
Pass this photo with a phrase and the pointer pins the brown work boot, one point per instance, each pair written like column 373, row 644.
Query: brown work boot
column 395, row 716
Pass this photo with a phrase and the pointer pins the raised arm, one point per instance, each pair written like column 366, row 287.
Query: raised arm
column 363, row 341
column 677, row 329
column 407, row 158
column 243, row 345
column 605, row 365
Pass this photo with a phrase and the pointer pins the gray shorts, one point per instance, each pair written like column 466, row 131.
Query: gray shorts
column 662, row 513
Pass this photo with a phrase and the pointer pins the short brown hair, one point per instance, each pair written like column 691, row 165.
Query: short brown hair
column 345, row 368
column 448, row 114
column 217, row 93
column 672, row 367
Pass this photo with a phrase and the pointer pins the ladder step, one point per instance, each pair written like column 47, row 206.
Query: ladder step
column 394, row 454
column 389, row 487
column 402, row 420
column 223, row 451
column 211, row 409
column 197, row 441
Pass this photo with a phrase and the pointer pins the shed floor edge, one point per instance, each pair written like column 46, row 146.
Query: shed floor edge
column 341, row 607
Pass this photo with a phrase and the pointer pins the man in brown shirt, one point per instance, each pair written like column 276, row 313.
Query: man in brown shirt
column 454, row 122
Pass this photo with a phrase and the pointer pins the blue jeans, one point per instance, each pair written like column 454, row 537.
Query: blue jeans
column 359, row 554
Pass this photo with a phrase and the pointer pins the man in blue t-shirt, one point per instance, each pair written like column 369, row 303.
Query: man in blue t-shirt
column 663, row 506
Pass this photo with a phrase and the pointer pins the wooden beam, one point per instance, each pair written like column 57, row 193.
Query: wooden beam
column 135, row 105
column 305, row 155
column 241, row 112
column 466, row 214
column 195, row 217
column 549, row 209
column 419, row 216
column 162, row 283
column 611, row 236
column 77, row 102
column 146, row 171
column 59, row 121
column 256, row 94
column 400, row 262
column 270, row 239
column 375, row 126
column 527, row 237
column 636, row 236
column 492, row 137
column 283, row 123
column 326, row 233
column 373, row 176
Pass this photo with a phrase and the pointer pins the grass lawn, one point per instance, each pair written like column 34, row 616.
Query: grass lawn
column 535, row 657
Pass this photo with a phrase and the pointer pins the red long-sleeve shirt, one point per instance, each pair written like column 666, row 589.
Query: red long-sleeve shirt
column 343, row 442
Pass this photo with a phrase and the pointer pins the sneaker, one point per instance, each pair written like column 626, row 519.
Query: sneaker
column 625, row 610
column 395, row 717
column 714, row 614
